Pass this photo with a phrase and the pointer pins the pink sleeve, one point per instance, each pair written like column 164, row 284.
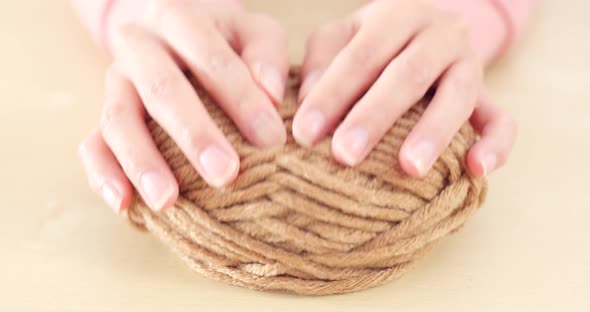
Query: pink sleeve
column 102, row 17
column 494, row 24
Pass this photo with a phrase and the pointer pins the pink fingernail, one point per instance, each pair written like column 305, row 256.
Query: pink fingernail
column 352, row 146
column 218, row 165
column 112, row 196
column 156, row 189
column 310, row 127
column 422, row 156
column 488, row 163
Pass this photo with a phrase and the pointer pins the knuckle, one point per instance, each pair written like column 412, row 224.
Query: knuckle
column 384, row 8
column 501, row 158
column 124, row 33
column 280, row 32
column 266, row 22
column 460, row 27
column 413, row 8
column 317, row 37
column 92, row 183
column 159, row 88
column 85, row 147
column 456, row 28
column 362, row 55
column 467, row 79
column 219, row 64
column 462, row 82
column 192, row 139
column 90, row 144
column 112, row 116
column 415, row 71
column 333, row 32
column 159, row 10
column 272, row 28
column 327, row 29
column 509, row 123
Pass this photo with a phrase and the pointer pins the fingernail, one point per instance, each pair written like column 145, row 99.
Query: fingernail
column 488, row 163
column 269, row 130
column 352, row 146
column 218, row 165
column 271, row 79
column 309, row 128
column 112, row 196
column 422, row 156
column 310, row 80
column 156, row 189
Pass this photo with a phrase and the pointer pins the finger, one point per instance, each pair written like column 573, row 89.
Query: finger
column 450, row 108
column 498, row 133
column 354, row 69
column 105, row 176
column 321, row 49
column 193, row 36
column 403, row 83
column 125, row 132
column 173, row 103
column 262, row 43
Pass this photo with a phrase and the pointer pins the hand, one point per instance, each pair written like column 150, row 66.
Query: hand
column 240, row 58
column 363, row 72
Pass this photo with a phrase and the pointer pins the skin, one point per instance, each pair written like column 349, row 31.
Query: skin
column 240, row 58
column 359, row 78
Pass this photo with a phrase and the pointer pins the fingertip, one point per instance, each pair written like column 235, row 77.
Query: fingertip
column 218, row 165
column 116, row 193
column 410, row 166
column 474, row 164
column 233, row 175
column 350, row 146
column 308, row 127
column 417, row 158
column 172, row 198
column 159, row 189
column 480, row 161
column 340, row 156
column 127, row 194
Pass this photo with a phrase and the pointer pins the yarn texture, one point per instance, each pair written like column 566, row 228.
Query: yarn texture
column 297, row 221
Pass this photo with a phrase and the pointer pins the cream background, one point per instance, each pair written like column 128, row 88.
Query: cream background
column 61, row 249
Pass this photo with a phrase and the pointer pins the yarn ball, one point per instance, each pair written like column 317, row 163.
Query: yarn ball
column 295, row 220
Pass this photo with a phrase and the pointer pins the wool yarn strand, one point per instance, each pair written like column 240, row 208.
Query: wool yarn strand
column 297, row 221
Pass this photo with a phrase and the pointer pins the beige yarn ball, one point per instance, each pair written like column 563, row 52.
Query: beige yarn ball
column 297, row 221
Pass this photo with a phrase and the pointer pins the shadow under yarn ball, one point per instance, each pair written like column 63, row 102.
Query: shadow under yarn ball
column 297, row 221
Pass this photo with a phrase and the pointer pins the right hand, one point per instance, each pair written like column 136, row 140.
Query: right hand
column 240, row 59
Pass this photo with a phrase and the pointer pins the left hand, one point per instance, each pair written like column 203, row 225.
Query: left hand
column 371, row 67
